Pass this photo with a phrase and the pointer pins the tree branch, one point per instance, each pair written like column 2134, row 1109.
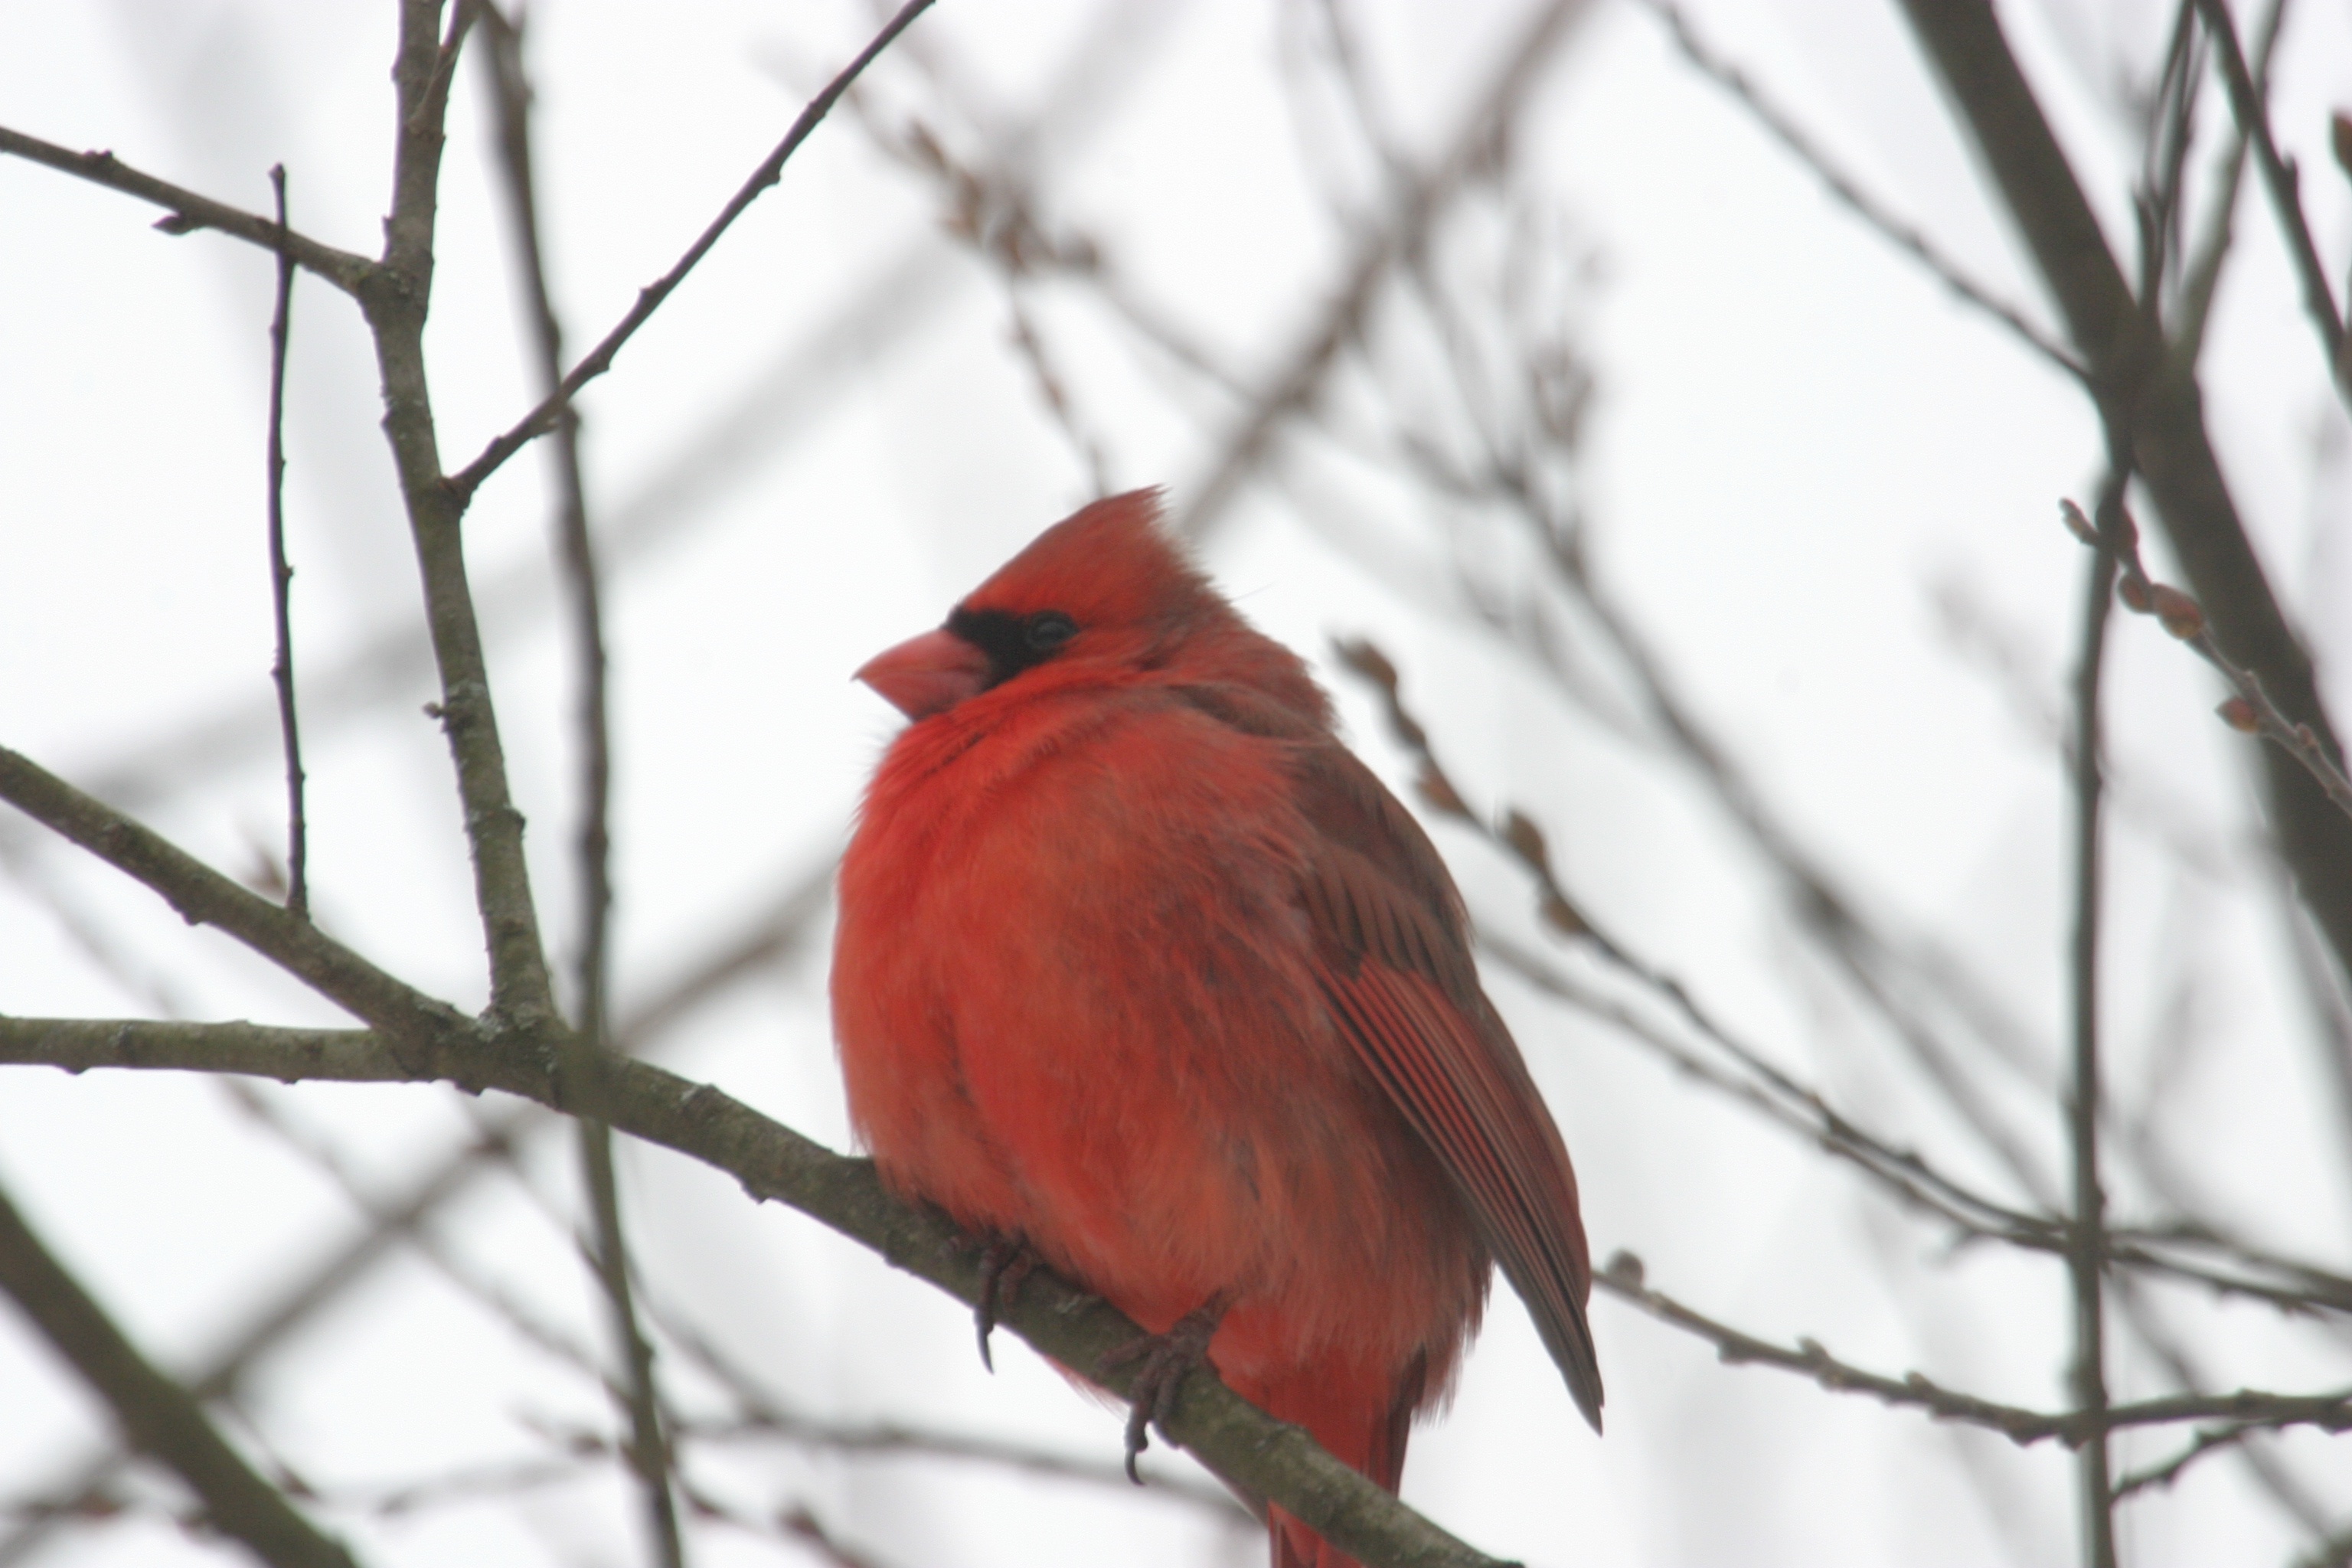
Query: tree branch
column 190, row 211
column 1248, row 1448
column 396, row 306
column 2328, row 1412
column 1849, row 192
column 203, row 897
column 2279, row 179
column 1417, row 205
column 1797, row 1107
column 157, row 1415
column 2172, row 453
column 649, row 1451
column 2086, row 1236
column 281, row 574
column 541, row 419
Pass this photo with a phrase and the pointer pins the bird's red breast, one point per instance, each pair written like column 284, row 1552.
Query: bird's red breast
column 1137, row 963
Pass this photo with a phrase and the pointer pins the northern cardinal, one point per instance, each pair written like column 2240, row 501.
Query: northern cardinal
column 1140, row 970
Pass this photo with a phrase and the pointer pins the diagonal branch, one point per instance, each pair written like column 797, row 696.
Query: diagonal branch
column 543, row 419
column 203, row 897
column 775, row 932
column 1903, row 235
column 1247, row 1448
column 1294, row 389
column 423, row 1040
column 2279, row 179
column 1758, row 1084
column 157, row 1415
column 190, row 211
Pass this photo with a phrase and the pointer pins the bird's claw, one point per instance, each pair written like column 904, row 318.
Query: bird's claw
column 1166, row 1358
column 1004, row 1263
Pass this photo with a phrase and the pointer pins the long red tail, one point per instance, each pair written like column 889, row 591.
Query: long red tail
column 1373, row 1446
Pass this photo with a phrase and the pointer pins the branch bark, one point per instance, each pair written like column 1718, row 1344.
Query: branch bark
column 395, row 304
column 158, row 1416
column 189, row 212
column 1248, row 1448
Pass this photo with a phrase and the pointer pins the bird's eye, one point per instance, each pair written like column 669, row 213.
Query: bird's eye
column 1047, row 630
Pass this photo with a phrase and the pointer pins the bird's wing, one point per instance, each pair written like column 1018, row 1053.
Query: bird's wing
column 1394, row 954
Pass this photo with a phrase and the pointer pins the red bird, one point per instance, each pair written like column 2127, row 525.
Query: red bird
column 1140, row 969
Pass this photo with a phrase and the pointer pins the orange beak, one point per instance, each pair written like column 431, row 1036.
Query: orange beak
column 926, row 675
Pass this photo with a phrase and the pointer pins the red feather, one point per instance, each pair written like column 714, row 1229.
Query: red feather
column 1137, row 963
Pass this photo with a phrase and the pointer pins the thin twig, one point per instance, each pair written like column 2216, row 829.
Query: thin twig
column 157, row 1415
column 2086, row 1236
column 2202, row 278
column 2210, row 1441
column 2251, row 711
column 649, row 1454
column 541, row 419
column 2286, row 201
column 1796, row 1106
column 2171, row 1352
column 202, row 896
column 1783, row 129
column 1623, row 1278
column 281, row 574
column 190, row 211
column 1294, row 389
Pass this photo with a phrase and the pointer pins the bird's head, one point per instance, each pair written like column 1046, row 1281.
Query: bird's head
column 1105, row 589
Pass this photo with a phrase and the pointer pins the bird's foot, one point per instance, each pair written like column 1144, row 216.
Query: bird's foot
column 1004, row 1263
column 1166, row 1358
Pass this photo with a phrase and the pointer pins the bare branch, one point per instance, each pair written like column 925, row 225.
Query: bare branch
column 1903, row 235
column 2087, row 1239
column 203, row 897
column 767, row 938
column 649, row 1456
column 396, row 306
column 427, row 1040
column 1249, row 1449
column 2172, row 452
column 1797, row 1107
column 2210, row 1441
column 156, row 1415
column 1623, row 1279
column 541, row 419
column 2286, row 201
column 1418, row 203
column 281, row 575
column 190, row 211
column 2203, row 276
column 2251, row 711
